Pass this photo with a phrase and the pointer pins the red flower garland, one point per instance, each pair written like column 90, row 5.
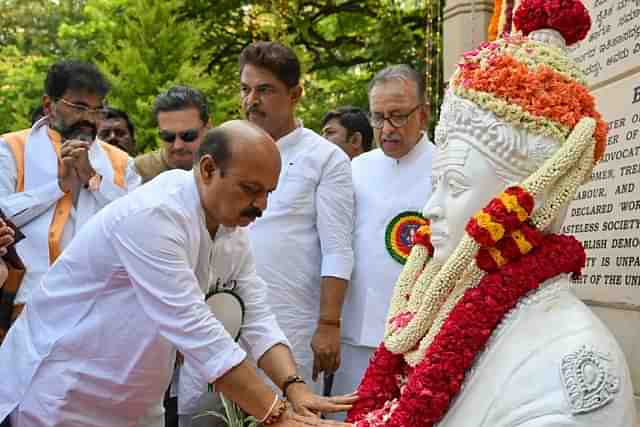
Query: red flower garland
column 432, row 385
column 569, row 17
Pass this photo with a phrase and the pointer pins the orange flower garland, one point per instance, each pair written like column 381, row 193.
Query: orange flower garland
column 543, row 93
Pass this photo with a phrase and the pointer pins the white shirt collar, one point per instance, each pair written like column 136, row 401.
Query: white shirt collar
column 292, row 137
column 416, row 151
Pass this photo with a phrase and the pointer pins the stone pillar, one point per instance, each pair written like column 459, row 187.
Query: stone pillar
column 465, row 25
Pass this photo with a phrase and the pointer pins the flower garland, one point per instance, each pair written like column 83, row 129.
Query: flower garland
column 393, row 394
column 543, row 93
column 569, row 17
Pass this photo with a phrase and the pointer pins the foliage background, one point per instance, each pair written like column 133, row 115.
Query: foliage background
column 145, row 46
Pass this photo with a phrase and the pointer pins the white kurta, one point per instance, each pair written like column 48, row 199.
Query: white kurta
column 384, row 188
column 96, row 343
column 305, row 234
column 33, row 209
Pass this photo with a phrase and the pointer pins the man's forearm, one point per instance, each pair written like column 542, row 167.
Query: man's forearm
column 278, row 363
column 243, row 385
column 331, row 299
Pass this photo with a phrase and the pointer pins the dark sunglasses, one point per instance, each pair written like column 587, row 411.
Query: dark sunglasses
column 188, row 135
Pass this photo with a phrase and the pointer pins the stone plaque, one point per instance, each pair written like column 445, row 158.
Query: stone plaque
column 612, row 47
column 605, row 214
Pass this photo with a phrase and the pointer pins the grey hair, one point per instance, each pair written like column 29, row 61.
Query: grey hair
column 402, row 72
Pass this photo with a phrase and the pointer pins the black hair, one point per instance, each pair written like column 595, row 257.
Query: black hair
column 74, row 75
column 216, row 144
column 353, row 120
column 114, row 114
column 275, row 57
column 180, row 98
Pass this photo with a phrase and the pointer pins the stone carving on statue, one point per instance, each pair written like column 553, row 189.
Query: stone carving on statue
column 589, row 379
column 482, row 315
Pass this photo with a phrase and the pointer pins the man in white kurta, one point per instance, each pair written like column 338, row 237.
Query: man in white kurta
column 305, row 235
column 97, row 340
column 391, row 183
column 303, row 242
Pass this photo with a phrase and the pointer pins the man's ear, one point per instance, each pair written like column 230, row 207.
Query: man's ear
column 47, row 104
column 356, row 139
column 423, row 113
column 296, row 93
column 207, row 167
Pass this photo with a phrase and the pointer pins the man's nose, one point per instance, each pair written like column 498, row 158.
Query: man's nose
column 433, row 209
column 387, row 127
column 252, row 98
column 261, row 202
column 178, row 143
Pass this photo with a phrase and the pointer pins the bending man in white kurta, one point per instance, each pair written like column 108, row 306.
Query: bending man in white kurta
column 97, row 342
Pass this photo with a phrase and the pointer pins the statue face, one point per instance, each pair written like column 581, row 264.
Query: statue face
column 464, row 182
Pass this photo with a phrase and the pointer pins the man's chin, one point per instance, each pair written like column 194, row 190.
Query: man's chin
column 245, row 221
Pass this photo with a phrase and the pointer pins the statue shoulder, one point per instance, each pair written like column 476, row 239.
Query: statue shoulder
column 556, row 361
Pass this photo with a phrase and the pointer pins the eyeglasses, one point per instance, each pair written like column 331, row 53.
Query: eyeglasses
column 98, row 112
column 396, row 120
column 189, row 135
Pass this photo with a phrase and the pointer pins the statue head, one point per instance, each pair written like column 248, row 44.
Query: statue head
column 517, row 114
column 510, row 106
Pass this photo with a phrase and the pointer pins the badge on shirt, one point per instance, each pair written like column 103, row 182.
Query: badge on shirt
column 400, row 234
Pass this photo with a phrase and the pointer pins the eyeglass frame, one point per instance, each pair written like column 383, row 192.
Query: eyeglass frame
column 83, row 109
column 390, row 119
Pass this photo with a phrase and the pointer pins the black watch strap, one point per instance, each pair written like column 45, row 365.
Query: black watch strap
column 291, row 379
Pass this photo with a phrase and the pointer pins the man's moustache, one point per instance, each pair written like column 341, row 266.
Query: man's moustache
column 251, row 213
column 84, row 131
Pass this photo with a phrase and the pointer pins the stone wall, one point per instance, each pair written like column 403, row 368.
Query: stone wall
column 605, row 214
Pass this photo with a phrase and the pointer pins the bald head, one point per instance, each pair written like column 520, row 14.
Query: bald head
column 238, row 167
column 239, row 140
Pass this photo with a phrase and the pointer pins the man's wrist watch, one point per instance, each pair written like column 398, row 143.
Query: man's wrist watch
column 291, row 379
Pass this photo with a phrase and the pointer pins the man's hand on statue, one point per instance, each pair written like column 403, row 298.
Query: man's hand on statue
column 306, row 403
column 67, row 174
column 80, row 153
column 326, row 350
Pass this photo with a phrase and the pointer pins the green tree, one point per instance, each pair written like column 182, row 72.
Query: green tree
column 143, row 47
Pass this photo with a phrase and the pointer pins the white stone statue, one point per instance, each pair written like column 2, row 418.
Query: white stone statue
column 483, row 329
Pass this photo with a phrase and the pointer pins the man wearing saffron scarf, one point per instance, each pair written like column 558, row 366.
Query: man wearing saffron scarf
column 55, row 176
